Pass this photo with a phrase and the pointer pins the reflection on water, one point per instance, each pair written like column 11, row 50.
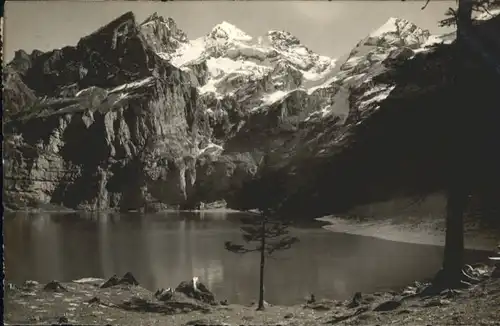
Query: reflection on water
column 162, row 250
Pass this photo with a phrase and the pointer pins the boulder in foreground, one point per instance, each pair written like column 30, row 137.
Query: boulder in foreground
column 127, row 279
column 196, row 290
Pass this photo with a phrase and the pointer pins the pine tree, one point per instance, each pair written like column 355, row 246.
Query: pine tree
column 270, row 233
column 468, row 7
column 451, row 274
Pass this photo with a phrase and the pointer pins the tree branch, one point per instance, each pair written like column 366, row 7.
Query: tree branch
column 426, row 3
column 238, row 249
column 284, row 244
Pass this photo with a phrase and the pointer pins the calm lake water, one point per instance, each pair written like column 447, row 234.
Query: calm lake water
column 162, row 250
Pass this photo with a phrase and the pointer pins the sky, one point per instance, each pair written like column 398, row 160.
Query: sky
column 328, row 28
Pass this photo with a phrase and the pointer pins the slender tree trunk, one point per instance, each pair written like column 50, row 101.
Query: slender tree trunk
column 464, row 14
column 464, row 22
column 454, row 245
column 457, row 194
column 262, row 264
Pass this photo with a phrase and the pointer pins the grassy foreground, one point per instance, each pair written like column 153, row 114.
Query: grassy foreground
column 85, row 302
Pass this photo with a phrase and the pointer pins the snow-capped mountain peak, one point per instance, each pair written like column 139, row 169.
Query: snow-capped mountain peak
column 259, row 71
column 274, row 62
column 400, row 32
column 229, row 32
column 390, row 26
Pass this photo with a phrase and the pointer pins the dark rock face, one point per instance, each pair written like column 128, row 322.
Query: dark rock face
column 162, row 34
column 16, row 93
column 99, row 147
column 112, row 123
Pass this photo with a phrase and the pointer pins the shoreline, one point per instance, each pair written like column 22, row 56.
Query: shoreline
column 110, row 211
column 90, row 301
column 423, row 231
column 415, row 230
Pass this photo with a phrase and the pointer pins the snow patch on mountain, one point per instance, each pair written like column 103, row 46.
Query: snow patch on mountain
column 340, row 106
column 260, row 71
column 375, row 95
column 187, row 52
column 326, row 83
column 211, row 148
column 436, row 40
column 234, row 59
column 400, row 32
column 488, row 14
column 397, row 39
column 225, row 70
column 390, row 26
column 133, row 85
column 228, row 32
column 274, row 97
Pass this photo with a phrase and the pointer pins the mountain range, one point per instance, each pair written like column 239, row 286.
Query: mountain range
column 137, row 116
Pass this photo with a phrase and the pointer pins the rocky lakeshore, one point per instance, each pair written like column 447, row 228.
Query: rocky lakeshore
column 429, row 231
column 123, row 301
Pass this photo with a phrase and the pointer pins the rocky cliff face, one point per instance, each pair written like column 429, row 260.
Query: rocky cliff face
column 137, row 116
column 96, row 125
